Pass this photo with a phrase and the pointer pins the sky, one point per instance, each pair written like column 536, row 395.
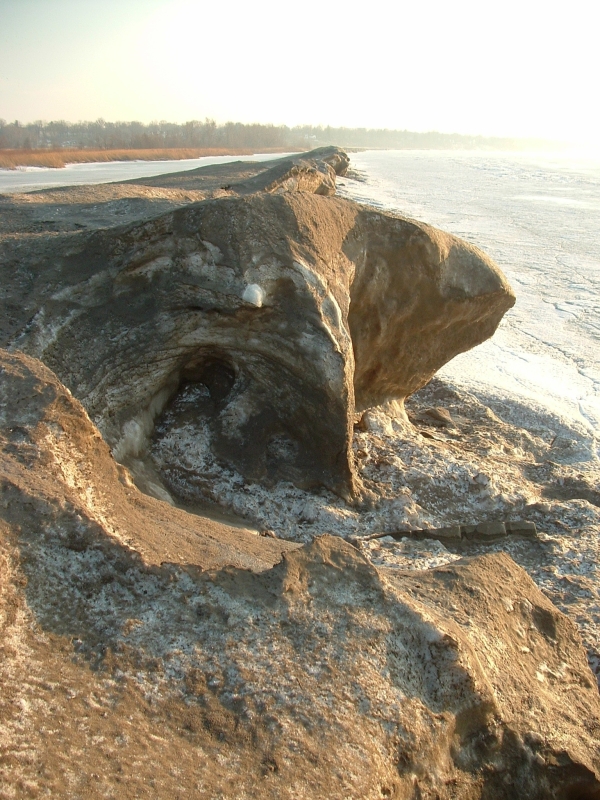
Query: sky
column 496, row 69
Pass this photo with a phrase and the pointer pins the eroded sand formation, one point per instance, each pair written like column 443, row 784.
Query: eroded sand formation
column 273, row 316
column 152, row 652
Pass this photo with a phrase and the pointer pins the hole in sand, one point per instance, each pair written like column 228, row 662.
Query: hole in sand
column 213, row 374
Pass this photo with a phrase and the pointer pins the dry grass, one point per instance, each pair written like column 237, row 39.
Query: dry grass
column 11, row 159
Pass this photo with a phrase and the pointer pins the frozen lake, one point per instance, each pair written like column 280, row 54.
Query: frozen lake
column 28, row 179
column 538, row 217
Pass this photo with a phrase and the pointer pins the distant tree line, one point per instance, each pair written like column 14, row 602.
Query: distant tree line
column 102, row 135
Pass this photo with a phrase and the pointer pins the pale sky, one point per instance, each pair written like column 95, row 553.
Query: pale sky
column 507, row 69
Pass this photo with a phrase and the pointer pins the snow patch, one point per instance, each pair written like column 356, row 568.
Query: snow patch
column 254, row 294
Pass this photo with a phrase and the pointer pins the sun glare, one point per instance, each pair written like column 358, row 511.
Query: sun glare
column 464, row 67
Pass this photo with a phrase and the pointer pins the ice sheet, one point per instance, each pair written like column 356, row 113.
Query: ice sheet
column 538, row 217
column 27, row 179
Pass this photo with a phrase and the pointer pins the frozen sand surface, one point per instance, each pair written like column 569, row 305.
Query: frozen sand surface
column 525, row 404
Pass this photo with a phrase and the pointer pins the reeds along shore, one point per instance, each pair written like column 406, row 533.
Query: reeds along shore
column 12, row 159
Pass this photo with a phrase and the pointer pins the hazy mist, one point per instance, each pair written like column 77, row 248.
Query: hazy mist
column 511, row 69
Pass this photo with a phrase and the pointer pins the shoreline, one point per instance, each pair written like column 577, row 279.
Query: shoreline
column 12, row 159
column 59, row 159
